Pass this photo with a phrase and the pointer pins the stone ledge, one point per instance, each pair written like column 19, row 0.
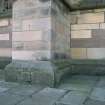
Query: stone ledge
column 88, row 67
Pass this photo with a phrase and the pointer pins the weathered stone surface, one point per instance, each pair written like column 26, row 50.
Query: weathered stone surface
column 25, row 90
column 101, row 83
column 98, row 94
column 2, row 89
column 47, row 96
column 93, row 102
column 8, row 85
column 9, row 99
column 31, row 72
column 73, row 98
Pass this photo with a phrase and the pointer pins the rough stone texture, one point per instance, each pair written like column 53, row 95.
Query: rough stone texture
column 43, row 72
column 30, row 72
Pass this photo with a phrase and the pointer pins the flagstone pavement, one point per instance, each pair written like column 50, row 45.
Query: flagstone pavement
column 75, row 90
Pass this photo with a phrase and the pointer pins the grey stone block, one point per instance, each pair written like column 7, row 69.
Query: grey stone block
column 47, row 96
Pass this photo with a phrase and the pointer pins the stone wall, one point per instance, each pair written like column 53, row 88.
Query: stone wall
column 5, row 41
column 40, row 30
column 88, row 34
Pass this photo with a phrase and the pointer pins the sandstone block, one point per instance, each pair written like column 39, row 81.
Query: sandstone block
column 78, row 53
column 81, row 34
column 84, row 26
column 91, row 18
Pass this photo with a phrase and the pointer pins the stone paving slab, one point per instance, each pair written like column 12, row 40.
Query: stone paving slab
column 25, row 90
column 98, row 94
column 73, row 98
column 93, row 102
column 101, row 83
column 10, row 99
column 3, row 89
column 76, row 87
column 73, row 91
column 8, row 84
column 47, row 96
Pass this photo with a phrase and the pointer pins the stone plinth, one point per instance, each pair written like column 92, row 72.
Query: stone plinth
column 41, row 33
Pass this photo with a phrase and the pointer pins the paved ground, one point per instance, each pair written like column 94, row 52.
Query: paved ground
column 77, row 90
